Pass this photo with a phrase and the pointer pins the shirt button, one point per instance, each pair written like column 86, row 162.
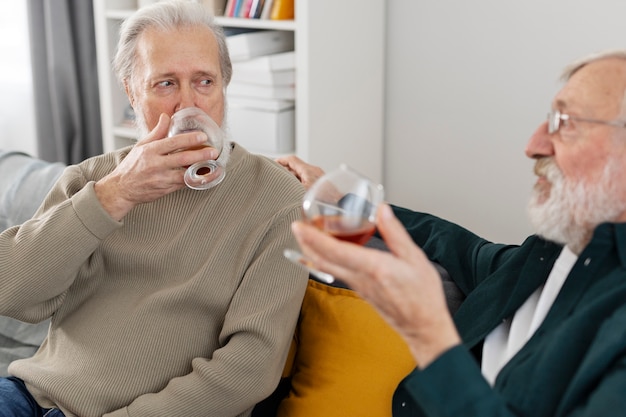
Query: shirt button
column 403, row 404
column 587, row 261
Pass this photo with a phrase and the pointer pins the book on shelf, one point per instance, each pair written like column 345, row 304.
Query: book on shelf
column 216, row 6
column 262, row 42
column 281, row 92
column 268, row 78
column 267, row 9
column 237, row 8
column 229, row 9
column 255, row 9
column 245, row 8
column 272, row 62
column 258, row 9
column 283, row 10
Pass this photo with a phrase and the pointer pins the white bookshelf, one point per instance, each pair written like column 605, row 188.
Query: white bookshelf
column 340, row 60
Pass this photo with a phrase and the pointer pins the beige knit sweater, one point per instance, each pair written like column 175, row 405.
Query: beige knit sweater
column 186, row 308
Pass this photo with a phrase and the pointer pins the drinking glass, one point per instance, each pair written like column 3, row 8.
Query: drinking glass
column 205, row 174
column 343, row 204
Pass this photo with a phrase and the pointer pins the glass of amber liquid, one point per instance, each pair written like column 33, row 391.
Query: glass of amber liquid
column 205, row 174
column 342, row 203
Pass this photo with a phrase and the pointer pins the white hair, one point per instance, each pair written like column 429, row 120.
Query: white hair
column 166, row 15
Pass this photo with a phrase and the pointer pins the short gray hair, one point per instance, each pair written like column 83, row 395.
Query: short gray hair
column 166, row 15
column 573, row 68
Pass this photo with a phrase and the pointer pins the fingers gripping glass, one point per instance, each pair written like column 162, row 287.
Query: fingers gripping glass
column 342, row 203
column 556, row 119
column 205, row 174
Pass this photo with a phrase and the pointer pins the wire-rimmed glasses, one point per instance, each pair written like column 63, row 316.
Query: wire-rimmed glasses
column 556, row 119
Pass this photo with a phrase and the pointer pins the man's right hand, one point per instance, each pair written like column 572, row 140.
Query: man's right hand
column 154, row 167
column 402, row 284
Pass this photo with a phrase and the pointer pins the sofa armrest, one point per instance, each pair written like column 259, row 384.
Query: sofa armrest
column 24, row 182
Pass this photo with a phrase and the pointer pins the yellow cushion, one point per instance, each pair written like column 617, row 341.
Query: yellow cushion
column 348, row 361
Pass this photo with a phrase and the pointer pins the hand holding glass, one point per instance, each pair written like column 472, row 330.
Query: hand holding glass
column 342, row 203
column 205, row 174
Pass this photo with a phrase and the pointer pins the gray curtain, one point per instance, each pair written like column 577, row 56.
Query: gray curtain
column 65, row 80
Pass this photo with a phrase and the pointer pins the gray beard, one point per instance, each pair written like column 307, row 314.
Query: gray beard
column 573, row 210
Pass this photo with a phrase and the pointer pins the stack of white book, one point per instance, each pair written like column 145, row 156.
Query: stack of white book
column 261, row 95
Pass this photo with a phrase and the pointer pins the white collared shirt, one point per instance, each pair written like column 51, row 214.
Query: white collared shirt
column 508, row 338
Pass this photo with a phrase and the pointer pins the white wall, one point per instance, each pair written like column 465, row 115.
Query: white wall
column 467, row 84
column 17, row 122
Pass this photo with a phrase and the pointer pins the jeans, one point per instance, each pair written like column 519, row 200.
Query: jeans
column 16, row 401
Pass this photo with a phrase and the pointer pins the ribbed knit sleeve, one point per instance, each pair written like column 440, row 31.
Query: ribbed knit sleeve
column 40, row 259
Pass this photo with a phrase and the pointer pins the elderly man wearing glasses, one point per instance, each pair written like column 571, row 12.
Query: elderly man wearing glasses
column 542, row 330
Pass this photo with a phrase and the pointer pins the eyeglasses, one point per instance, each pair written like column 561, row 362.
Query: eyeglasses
column 556, row 119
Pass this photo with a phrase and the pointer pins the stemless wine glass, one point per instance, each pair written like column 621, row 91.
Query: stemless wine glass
column 205, row 174
column 342, row 203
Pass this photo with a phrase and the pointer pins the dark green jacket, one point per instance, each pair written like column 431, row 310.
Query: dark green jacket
column 575, row 363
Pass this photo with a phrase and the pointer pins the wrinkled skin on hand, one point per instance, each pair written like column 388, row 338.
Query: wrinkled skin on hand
column 306, row 173
column 402, row 285
column 153, row 168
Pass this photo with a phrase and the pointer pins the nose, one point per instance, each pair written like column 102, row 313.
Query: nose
column 540, row 143
column 187, row 97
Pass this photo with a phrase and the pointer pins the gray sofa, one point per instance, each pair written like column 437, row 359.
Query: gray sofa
column 24, row 182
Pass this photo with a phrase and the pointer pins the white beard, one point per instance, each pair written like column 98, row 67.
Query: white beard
column 573, row 210
column 140, row 122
